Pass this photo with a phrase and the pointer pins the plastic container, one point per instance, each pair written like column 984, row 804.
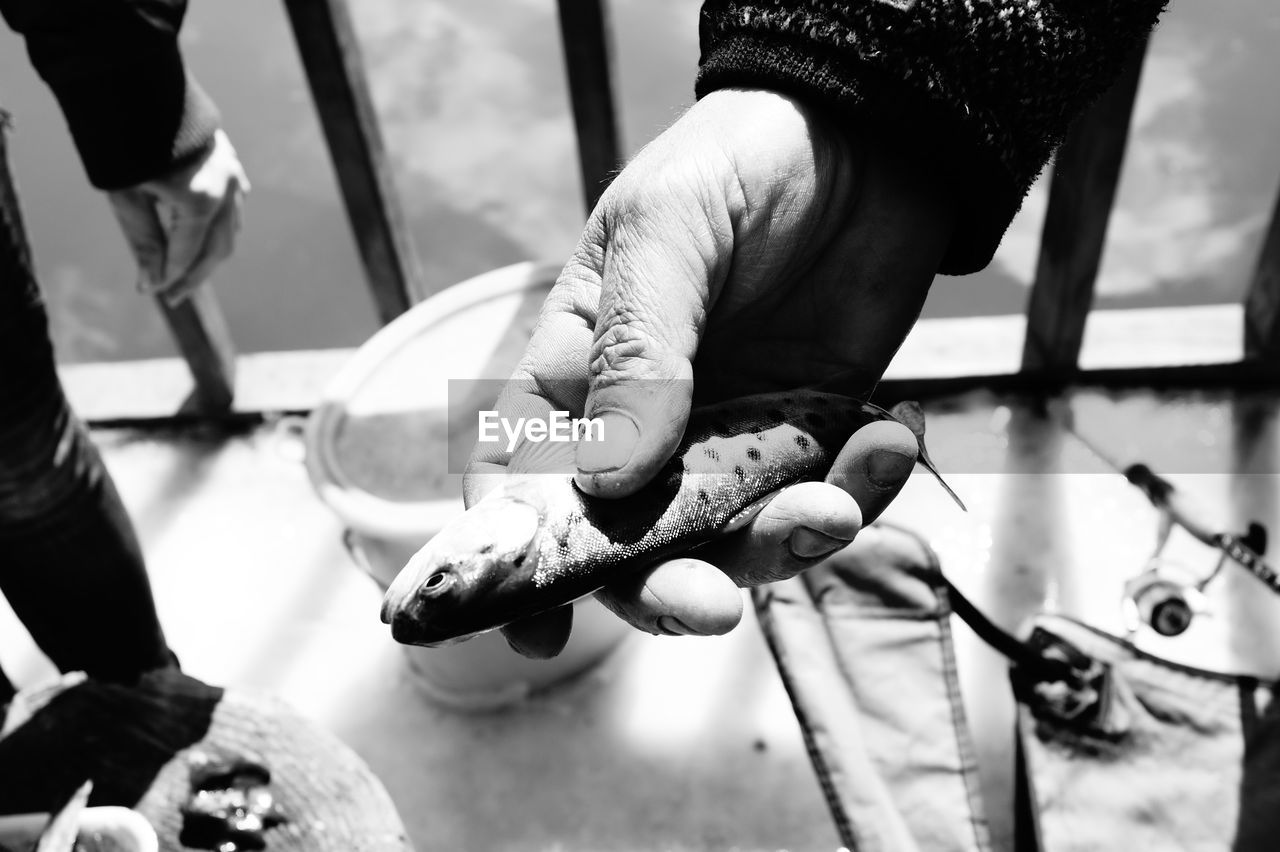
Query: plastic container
column 378, row 454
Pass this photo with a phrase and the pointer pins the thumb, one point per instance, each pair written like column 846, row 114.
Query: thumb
column 657, row 268
column 143, row 231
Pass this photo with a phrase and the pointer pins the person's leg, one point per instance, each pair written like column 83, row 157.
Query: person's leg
column 70, row 564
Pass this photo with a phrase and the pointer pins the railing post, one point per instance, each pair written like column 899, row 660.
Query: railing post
column 197, row 325
column 335, row 72
column 1262, row 304
column 200, row 330
column 584, row 35
column 1085, row 174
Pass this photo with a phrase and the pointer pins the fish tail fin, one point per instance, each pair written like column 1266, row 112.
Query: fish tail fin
column 924, row 459
column 911, row 415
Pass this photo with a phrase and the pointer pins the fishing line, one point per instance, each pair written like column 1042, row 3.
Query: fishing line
column 1246, row 551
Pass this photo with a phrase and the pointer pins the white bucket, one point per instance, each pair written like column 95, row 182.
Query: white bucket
column 376, row 455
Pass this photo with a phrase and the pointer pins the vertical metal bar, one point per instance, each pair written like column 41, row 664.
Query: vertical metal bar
column 584, row 34
column 200, row 330
column 335, row 72
column 1262, row 304
column 1085, row 174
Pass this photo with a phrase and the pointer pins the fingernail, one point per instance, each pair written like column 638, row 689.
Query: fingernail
column 620, row 435
column 806, row 543
column 888, row 469
column 672, row 626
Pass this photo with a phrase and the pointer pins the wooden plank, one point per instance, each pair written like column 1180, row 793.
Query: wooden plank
column 1085, row 174
column 200, row 330
column 1262, row 304
column 335, row 72
column 584, row 34
column 1182, row 345
column 1136, row 337
column 117, row 394
column 267, row 383
column 1242, row 375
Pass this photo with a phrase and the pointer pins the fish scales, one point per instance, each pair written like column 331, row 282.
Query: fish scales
column 537, row 541
column 733, row 455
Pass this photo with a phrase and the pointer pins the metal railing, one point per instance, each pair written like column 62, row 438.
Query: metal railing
column 1081, row 195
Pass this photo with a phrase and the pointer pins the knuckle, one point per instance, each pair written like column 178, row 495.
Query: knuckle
column 623, row 351
column 577, row 287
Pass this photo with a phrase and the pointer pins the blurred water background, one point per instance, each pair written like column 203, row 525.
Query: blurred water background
column 475, row 114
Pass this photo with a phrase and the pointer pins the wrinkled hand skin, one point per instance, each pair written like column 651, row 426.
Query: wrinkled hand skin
column 181, row 226
column 750, row 247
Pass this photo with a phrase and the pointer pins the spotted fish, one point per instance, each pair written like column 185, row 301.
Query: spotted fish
column 538, row 542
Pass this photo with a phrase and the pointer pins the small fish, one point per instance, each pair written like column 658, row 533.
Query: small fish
column 537, row 541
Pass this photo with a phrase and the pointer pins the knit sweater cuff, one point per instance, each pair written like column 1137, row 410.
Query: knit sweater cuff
column 982, row 93
column 138, row 121
column 864, row 102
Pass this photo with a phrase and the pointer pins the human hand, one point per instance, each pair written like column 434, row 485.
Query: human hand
column 180, row 226
column 751, row 247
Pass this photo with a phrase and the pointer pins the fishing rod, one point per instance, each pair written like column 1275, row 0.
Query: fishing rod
column 1178, row 508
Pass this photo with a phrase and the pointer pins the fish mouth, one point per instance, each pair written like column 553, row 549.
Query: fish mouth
column 409, row 613
column 414, row 623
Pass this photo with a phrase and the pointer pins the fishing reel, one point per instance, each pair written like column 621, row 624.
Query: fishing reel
column 1168, row 596
column 1163, row 598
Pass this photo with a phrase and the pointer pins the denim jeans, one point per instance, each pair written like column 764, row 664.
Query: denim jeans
column 70, row 563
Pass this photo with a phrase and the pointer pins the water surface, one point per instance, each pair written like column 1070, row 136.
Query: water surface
column 472, row 99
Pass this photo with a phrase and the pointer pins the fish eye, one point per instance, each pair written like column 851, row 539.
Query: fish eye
column 435, row 584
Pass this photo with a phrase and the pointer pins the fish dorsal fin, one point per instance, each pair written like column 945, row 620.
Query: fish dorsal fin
column 911, row 415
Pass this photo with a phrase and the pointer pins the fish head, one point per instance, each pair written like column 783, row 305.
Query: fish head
column 457, row 585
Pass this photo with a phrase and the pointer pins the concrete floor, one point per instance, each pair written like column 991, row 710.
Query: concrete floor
column 677, row 743
column 1052, row 527
column 681, row 745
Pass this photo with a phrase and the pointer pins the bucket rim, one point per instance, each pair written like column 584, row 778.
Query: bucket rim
column 362, row 510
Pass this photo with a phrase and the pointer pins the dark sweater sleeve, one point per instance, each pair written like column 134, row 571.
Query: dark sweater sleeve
column 985, row 89
column 116, row 70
